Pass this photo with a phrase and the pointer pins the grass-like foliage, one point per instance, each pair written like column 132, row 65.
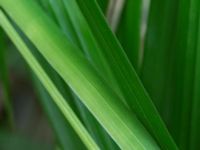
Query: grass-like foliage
column 99, row 83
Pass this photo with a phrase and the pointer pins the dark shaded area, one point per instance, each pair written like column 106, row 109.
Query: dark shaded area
column 31, row 128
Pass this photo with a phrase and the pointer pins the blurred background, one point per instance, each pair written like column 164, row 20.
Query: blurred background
column 31, row 128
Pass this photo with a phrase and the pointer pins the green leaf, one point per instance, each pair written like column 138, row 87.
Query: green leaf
column 128, row 81
column 65, row 134
column 66, row 137
column 64, row 21
column 128, row 30
column 75, row 69
column 55, row 94
column 187, row 46
column 157, row 71
column 97, row 132
column 88, row 42
column 69, row 29
column 195, row 116
column 103, row 4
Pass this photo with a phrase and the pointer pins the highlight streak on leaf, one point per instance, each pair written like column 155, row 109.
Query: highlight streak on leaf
column 57, row 97
column 114, row 13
